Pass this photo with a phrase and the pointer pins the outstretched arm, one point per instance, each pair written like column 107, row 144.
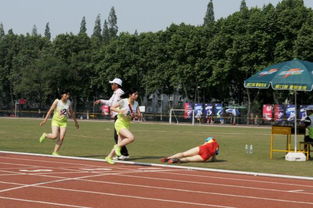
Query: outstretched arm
column 53, row 106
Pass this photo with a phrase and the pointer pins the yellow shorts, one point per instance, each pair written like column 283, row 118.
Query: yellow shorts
column 59, row 123
column 121, row 124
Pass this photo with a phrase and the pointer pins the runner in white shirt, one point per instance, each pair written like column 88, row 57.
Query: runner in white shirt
column 116, row 85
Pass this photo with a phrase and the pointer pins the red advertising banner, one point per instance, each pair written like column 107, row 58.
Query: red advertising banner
column 267, row 112
column 278, row 112
column 188, row 110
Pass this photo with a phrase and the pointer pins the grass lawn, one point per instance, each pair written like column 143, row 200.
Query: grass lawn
column 95, row 139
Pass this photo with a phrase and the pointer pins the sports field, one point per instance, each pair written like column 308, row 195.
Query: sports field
column 153, row 141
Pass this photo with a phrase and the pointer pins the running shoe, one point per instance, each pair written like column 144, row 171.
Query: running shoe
column 55, row 154
column 117, row 150
column 42, row 138
column 122, row 157
column 109, row 160
column 173, row 160
column 164, row 159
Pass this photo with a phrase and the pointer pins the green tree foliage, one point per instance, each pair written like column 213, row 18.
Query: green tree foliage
column 2, row 33
column 105, row 32
column 34, row 31
column 304, row 43
column 209, row 16
column 112, row 23
column 47, row 31
column 97, row 28
column 203, row 64
column 83, row 28
column 243, row 5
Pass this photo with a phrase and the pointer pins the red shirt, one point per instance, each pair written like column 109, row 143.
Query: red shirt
column 208, row 149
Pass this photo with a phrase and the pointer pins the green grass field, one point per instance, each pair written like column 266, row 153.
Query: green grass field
column 153, row 141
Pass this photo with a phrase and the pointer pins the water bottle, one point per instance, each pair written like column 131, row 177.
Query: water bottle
column 251, row 149
column 247, row 148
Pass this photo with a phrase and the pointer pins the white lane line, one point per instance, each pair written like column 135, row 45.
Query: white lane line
column 177, row 167
column 44, row 157
column 137, row 197
column 239, row 179
column 110, row 194
column 207, row 183
column 35, row 170
column 200, row 192
column 169, row 189
column 294, row 191
column 42, row 202
column 74, row 164
column 210, row 193
column 74, row 178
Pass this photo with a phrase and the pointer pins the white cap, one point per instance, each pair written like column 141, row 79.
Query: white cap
column 116, row 81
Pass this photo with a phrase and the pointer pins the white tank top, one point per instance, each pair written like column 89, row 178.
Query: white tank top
column 61, row 112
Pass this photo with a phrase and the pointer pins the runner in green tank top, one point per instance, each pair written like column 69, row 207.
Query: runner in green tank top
column 127, row 110
column 62, row 109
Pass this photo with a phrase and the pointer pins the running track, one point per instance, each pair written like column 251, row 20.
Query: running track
column 47, row 182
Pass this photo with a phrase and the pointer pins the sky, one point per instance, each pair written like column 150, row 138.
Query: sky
column 64, row 16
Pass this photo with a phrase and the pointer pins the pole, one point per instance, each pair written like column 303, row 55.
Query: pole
column 295, row 133
column 170, row 120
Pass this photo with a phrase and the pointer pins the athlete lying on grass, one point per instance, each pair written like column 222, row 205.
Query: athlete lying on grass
column 204, row 152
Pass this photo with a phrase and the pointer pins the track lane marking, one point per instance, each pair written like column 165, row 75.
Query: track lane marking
column 239, row 179
column 212, row 193
column 136, row 197
column 206, row 183
column 73, row 178
column 42, row 202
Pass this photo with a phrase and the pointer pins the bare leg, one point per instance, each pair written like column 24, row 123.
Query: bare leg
column 195, row 158
column 191, row 152
column 54, row 134
column 125, row 137
column 59, row 142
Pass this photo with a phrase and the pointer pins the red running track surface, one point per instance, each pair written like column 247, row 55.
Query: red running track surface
column 41, row 181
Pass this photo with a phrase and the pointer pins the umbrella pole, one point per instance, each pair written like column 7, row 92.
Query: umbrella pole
column 295, row 133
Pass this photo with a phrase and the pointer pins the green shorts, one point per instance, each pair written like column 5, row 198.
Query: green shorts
column 121, row 124
column 59, row 123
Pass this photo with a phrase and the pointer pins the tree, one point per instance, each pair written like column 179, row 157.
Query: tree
column 209, row 16
column 2, row 33
column 243, row 5
column 34, row 31
column 112, row 21
column 97, row 28
column 47, row 31
column 304, row 43
column 105, row 32
column 83, row 28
